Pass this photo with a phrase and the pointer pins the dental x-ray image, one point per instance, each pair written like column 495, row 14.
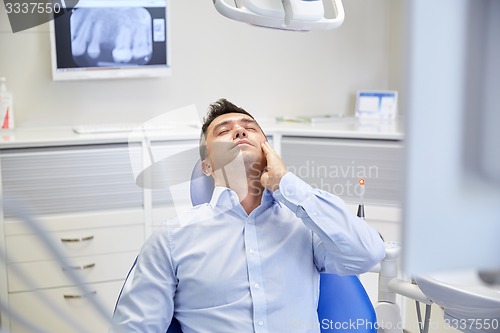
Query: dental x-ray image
column 107, row 36
column 109, row 39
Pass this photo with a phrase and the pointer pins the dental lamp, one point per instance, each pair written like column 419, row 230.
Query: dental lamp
column 295, row 15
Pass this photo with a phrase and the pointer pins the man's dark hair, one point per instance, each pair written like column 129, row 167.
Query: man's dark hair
column 216, row 109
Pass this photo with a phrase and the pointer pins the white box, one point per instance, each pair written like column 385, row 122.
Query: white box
column 381, row 104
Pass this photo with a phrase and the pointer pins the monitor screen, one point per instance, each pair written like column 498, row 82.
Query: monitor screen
column 105, row 39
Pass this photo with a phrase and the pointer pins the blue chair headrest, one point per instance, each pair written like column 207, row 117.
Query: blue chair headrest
column 201, row 187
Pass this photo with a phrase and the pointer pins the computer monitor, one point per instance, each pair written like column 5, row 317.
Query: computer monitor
column 107, row 39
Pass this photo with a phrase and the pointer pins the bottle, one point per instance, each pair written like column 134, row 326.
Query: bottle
column 6, row 106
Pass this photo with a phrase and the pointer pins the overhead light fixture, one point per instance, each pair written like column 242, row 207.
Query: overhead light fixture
column 296, row 15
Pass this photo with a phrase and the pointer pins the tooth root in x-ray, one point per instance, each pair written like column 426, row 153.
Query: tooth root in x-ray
column 94, row 49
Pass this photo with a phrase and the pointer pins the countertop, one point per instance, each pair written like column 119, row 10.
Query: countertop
column 349, row 128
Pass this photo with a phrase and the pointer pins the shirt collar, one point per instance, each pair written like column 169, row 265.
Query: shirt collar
column 226, row 198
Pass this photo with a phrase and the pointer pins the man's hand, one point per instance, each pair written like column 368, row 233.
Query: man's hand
column 275, row 169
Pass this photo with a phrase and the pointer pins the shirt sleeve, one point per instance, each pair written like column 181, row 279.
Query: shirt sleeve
column 343, row 243
column 146, row 302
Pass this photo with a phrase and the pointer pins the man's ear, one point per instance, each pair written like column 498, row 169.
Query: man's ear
column 206, row 167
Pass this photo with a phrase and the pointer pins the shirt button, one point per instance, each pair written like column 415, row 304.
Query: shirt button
column 260, row 323
column 252, row 251
column 257, row 286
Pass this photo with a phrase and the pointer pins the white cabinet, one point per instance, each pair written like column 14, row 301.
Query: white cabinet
column 69, row 310
column 87, row 227
column 336, row 165
column 100, row 258
column 67, row 179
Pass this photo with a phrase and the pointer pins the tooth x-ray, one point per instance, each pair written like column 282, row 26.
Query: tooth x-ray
column 109, row 39
column 106, row 36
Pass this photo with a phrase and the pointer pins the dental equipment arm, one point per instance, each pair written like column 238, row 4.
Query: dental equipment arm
column 296, row 15
column 389, row 285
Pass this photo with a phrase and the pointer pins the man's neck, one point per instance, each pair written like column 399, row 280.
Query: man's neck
column 249, row 190
column 254, row 197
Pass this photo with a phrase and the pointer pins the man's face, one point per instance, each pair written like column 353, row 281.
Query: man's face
column 231, row 134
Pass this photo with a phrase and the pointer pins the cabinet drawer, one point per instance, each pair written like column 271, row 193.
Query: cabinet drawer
column 70, row 179
column 76, row 243
column 75, row 221
column 64, row 310
column 336, row 166
column 51, row 274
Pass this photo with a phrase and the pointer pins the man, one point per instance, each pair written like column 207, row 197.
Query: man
column 248, row 261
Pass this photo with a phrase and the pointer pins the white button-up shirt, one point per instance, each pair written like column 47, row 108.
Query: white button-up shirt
column 218, row 269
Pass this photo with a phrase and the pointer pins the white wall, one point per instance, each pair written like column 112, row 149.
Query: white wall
column 268, row 72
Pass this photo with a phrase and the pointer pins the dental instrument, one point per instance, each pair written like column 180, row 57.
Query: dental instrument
column 361, row 206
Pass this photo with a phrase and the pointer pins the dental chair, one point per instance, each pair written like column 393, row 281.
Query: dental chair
column 344, row 305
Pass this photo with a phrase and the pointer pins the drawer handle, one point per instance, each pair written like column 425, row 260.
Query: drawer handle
column 88, row 266
column 77, row 240
column 80, row 296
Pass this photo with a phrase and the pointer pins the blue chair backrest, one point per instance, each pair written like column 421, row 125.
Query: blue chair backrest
column 344, row 305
